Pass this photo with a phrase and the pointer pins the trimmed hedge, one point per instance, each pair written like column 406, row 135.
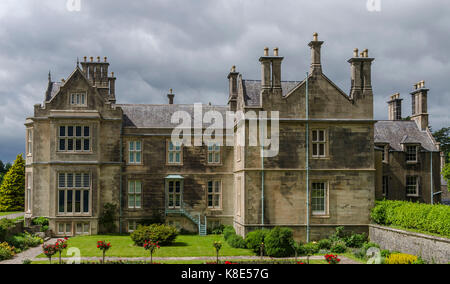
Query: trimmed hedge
column 279, row 242
column 163, row 234
column 423, row 217
column 254, row 240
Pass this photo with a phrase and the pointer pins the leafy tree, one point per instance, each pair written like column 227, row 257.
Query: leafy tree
column 443, row 136
column 4, row 168
column 446, row 172
column 12, row 190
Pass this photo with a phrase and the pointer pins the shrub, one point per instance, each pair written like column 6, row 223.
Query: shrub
column 218, row 230
column 424, row 217
column 107, row 218
column 163, row 234
column 228, row 231
column 278, row 242
column 338, row 247
column 356, row 240
column 254, row 240
column 401, row 258
column 12, row 189
column 6, row 251
column 236, row 241
column 369, row 245
column 41, row 221
column 338, row 235
column 24, row 241
column 311, row 248
column 325, row 244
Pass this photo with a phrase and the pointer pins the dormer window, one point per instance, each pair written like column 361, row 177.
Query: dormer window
column 78, row 99
column 411, row 154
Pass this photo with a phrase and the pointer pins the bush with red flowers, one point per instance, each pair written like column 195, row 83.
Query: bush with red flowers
column 332, row 259
column 151, row 246
column 60, row 245
column 49, row 251
column 104, row 247
column 229, row 262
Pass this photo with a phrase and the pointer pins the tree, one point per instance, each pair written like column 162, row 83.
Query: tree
column 446, row 172
column 12, row 190
column 4, row 168
column 443, row 136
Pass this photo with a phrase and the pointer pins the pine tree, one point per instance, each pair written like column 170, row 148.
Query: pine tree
column 12, row 190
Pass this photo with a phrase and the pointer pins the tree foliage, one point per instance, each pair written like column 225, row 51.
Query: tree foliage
column 443, row 136
column 446, row 172
column 12, row 190
column 4, row 168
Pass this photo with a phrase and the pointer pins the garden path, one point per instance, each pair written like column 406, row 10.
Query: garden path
column 30, row 254
column 12, row 216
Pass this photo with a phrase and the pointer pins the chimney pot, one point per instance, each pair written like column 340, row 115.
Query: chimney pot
column 106, row 59
column 171, row 96
column 355, row 52
column 92, row 59
column 315, row 36
column 275, row 51
column 98, row 58
column 266, row 51
column 366, row 53
column 233, row 69
column 85, row 58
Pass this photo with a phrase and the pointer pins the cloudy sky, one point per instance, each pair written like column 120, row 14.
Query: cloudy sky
column 190, row 45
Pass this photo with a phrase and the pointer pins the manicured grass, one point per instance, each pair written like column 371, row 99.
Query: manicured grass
column 184, row 246
column 8, row 213
column 55, row 261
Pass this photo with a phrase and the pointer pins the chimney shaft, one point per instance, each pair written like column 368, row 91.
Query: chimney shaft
column 315, row 45
column 233, row 88
column 420, row 105
column 361, row 74
column 171, row 96
column 395, row 107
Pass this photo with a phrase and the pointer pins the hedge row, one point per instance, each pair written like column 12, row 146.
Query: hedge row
column 424, row 217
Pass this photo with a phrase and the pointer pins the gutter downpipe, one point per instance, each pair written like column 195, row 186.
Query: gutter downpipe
column 307, row 159
column 431, row 178
column 262, row 174
column 121, row 185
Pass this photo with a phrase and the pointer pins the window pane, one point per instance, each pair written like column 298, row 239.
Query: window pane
column 78, row 180
column 78, row 145
column 61, row 228
column 210, row 157
column 131, row 201
column 69, row 180
column 79, row 228
column 131, row 187
column 70, row 131
column 86, row 131
column 138, row 201
column 78, row 131
column 216, row 201
column 131, row 145
column 62, row 180
column 86, row 201
column 62, row 131
column 210, row 201
column 86, row 229
column 177, row 186
column 138, row 157
column 177, row 159
column 86, row 144
column 62, row 144
column 217, row 187
column 322, row 149
column 82, row 99
column 70, row 145
column 61, row 201
column 177, row 200
column 77, row 201
column 86, row 180
column 68, row 228
column 131, row 157
column 170, row 157
column 315, row 149
column 217, row 158
column 314, row 135
column 69, row 201
column 321, row 135
column 138, row 146
column 170, row 186
column 210, row 186
column 138, row 187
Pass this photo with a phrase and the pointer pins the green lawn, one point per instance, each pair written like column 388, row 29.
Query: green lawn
column 55, row 261
column 8, row 213
column 184, row 246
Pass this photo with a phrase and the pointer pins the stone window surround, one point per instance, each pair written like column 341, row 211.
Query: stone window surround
column 417, row 185
column 135, row 151
column 73, row 188
column 168, row 163
column 407, row 154
column 29, row 142
column 318, row 142
column 385, row 186
column 325, row 214
column 74, row 151
column 140, row 194
column 81, row 94
column 214, row 193
column 213, row 149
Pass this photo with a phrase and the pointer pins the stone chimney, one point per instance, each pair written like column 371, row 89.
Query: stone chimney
column 419, row 105
column 315, row 45
column 271, row 70
column 361, row 75
column 395, row 107
column 97, row 73
column 276, row 69
column 171, row 96
column 233, row 88
column 265, row 70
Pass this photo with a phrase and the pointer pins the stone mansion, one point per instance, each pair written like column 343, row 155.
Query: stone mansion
column 85, row 150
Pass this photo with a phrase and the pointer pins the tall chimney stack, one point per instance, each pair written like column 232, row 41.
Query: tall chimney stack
column 265, row 70
column 276, row 69
column 395, row 107
column 315, row 45
column 171, row 96
column 233, row 88
column 420, row 105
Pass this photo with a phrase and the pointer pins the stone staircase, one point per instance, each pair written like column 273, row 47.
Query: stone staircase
column 202, row 231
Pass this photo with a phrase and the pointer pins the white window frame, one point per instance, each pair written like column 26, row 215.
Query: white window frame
column 78, row 99
column 83, row 231
column 29, row 141
column 409, row 154
column 83, row 187
column 172, row 195
column 325, row 197
column 172, row 151
column 214, row 154
column 67, row 228
column 74, row 138
column 409, row 186
column 316, row 143
column 133, row 194
column 216, row 194
column 135, row 154
column 29, row 192
column 132, row 225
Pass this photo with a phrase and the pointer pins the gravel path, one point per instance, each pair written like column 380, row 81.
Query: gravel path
column 31, row 254
column 12, row 216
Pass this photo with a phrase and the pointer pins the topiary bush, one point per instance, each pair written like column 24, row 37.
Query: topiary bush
column 163, row 234
column 278, row 242
column 325, row 244
column 236, row 241
column 254, row 240
column 338, row 247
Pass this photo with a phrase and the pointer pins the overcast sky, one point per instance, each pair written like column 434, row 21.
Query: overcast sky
column 190, row 46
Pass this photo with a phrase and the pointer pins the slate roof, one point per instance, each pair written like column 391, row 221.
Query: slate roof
column 397, row 132
column 159, row 116
column 52, row 90
column 252, row 90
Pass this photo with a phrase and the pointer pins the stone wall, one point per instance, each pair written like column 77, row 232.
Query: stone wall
column 432, row 249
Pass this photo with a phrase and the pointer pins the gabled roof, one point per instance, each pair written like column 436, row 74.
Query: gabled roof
column 252, row 90
column 159, row 116
column 398, row 132
column 52, row 90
